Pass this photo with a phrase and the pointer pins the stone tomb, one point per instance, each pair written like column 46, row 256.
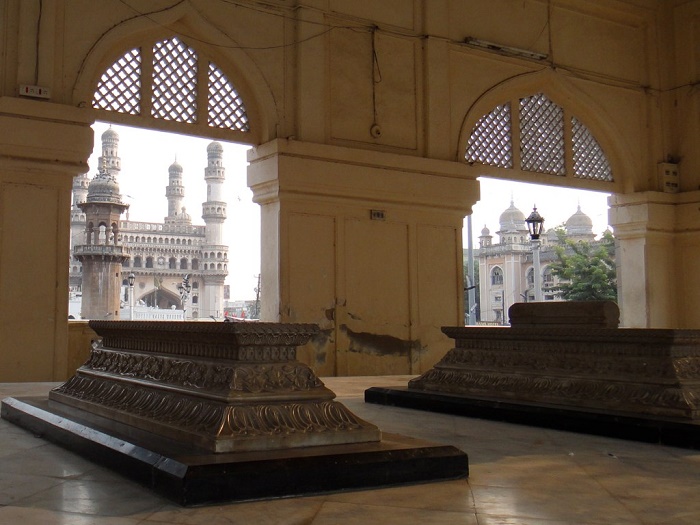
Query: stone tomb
column 206, row 412
column 567, row 365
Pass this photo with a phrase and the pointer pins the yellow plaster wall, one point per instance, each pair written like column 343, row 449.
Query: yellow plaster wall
column 316, row 75
column 379, row 289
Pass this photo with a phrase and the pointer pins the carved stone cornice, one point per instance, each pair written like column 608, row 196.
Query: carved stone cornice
column 217, row 379
column 219, row 427
column 244, row 341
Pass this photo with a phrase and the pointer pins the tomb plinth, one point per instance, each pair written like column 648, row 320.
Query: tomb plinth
column 213, row 412
column 567, row 365
column 223, row 387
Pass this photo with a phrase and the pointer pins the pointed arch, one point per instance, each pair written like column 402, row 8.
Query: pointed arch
column 233, row 99
column 539, row 128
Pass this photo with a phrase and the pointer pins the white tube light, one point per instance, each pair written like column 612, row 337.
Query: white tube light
column 505, row 50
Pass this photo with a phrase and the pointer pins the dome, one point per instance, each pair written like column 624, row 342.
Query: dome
column 579, row 224
column 110, row 134
column 175, row 168
column 485, row 232
column 183, row 216
column 104, row 188
column 215, row 147
column 512, row 219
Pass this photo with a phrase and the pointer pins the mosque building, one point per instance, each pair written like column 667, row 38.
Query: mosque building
column 506, row 271
column 106, row 248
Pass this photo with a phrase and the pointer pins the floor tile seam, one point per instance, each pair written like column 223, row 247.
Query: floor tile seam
column 37, row 495
column 557, row 521
column 620, row 501
column 472, row 508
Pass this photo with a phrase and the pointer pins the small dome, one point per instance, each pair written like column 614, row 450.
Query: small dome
column 104, row 188
column 183, row 216
column 175, row 168
column 110, row 134
column 579, row 224
column 552, row 235
column 215, row 147
column 512, row 220
column 485, row 232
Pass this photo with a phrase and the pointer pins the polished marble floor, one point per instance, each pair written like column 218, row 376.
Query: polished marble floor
column 519, row 475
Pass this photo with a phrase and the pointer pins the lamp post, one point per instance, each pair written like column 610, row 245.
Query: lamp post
column 132, row 280
column 184, row 288
column 535, row 223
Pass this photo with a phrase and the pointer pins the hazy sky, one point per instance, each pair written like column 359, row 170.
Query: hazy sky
column 146, row 155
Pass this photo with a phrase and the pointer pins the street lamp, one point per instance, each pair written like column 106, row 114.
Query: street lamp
column 535, row 223
column 184, row 288
column 132, row 280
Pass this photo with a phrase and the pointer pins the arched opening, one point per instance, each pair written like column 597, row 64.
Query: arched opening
column 161, row 298
column 531, row 137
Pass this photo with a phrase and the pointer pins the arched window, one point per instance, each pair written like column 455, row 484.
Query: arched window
column 219, row 255
column 195, row 299
column 195, row 264
column 195, row 285
column 496, row 276
column 547, row 276
column 137, row 262
column 548, row 140
column 183, row 264
column 179, row 78
column 102, row 234
column 172, row 263
column 530, row 276
column 149, row 262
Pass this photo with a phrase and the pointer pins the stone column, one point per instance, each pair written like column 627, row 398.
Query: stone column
column 368, row 245
column 44, row 147
column 657, row 249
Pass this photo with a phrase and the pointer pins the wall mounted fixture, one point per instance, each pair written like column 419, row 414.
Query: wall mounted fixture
column 504, row 50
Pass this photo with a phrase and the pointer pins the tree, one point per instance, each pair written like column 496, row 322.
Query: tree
column 586, row 270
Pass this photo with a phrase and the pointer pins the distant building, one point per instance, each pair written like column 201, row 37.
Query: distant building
column 106, row 248
column 506, row 273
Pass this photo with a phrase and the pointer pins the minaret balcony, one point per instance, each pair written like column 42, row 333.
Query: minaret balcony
column 101, row 251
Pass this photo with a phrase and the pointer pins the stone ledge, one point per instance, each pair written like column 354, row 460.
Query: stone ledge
column 664, row 431
column 191, row 476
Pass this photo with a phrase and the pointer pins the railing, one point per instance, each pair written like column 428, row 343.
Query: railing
column 101, row 249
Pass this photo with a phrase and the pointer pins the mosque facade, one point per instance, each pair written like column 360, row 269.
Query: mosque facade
column 506, row 269
column 106, row 248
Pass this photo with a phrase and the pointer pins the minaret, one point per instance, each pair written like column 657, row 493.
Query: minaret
column 215, row 254
column 174, row 191
column 101, row 253
column 77, row 227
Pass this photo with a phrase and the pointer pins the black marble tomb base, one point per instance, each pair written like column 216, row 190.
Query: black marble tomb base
column 674, row 432
column 196, row 477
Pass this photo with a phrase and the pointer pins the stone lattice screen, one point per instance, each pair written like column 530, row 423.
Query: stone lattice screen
column 177, row 81
column 538, row 131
